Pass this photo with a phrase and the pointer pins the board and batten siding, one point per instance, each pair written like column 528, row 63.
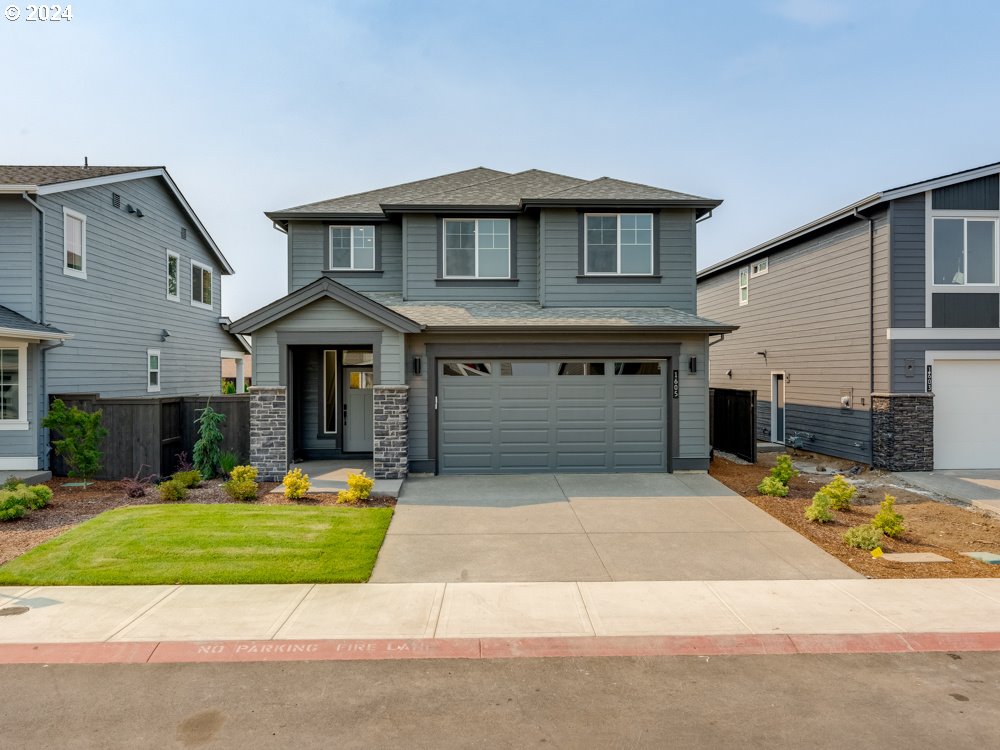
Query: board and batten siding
column 18, row 256
column 307, row 258
column 121, row 309
column 810, row 314
column 561, row 266
column 909, row 261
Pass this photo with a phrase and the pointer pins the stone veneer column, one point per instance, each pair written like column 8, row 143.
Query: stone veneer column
column 903, row 431
column 269, row 432
column 390, row 433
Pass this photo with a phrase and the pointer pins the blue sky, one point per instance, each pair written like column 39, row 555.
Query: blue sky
column 786, row 109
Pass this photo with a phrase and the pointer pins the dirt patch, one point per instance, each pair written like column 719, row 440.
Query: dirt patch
column 71, row 506
column 931, row 526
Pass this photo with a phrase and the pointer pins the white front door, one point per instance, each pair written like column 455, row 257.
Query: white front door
column 778, row 408
column 966, row 413
column 358, row 409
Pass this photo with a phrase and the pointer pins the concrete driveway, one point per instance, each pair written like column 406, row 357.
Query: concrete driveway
column 979, row 487
column 590, row 527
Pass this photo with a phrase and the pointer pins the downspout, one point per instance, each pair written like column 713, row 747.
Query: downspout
column 871, row 329
column 41, row 407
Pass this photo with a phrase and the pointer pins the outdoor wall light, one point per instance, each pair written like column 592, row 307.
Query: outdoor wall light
column 130, row 209
column 139, row 214
column 164, row 334
column 729, row 373
column 693, row 364
column 416, row 365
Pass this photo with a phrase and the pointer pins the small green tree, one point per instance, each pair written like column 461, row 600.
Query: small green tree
column 819, row 511
column 783, row 470
column 208, row 449
column 80, row 439
column 840, row 492
column 888, row 520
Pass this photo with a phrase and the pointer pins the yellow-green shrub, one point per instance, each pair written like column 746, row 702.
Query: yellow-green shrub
column 189, row 479
column 361, row 485
column 350, row 497
column 773, row 487
column 888, row 520
column 242, row 473
column 840, row 492
column 241, row 489
column 864, row 536
column 819, row 511
column 172, row 490
column 296, row 484
column 783, row 470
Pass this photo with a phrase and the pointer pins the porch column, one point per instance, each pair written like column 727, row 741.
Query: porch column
column 241, row 385
column 269, row 431
column 390, row 431
column 903, row 431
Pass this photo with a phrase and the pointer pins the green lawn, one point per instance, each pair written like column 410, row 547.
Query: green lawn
column 208, row 544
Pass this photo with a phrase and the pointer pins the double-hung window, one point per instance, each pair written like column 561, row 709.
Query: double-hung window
column 744, row 286
column 201, row 285
column 352, row 248
column 965, row 251
column 173, row 276
column 618, row 245
column 13, row 386
column 476, row 249
column 74, row 244
column 152, row 370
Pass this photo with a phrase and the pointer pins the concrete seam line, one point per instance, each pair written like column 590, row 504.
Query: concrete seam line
column 166, row 595
column 964, row 582
column 586, row 533
column 437, row 621
column 889, row 620
column 582, row 603
column 727, row 605
column 292, row 609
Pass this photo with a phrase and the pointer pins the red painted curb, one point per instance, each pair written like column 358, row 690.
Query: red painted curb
column 173, row 652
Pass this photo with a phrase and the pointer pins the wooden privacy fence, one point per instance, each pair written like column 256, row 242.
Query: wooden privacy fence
column 147, row 433
column 732, row 422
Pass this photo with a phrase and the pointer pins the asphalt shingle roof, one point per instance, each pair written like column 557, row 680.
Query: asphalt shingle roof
column 612, row 189
column 17, row 322
column 51, row 175
column 473, row 314
column 502, row 191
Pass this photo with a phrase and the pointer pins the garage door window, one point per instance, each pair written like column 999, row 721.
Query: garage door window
column 467, row 369
column 524, row 369
column 637, row 368
column 580, row 368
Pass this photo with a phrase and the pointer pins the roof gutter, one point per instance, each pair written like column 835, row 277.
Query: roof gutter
column 18, row 189
column 41, row 256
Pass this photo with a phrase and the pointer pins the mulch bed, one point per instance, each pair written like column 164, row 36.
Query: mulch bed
column 74, row 505
column 931, row 526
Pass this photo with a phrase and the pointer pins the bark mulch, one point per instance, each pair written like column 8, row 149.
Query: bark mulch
column 931, row 526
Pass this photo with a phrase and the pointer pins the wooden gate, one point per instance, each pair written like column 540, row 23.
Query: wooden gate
column 734, row 422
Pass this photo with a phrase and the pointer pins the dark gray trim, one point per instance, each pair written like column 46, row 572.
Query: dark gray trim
column 624, row 279
column 965, row 310
column 476, row 282
column 610, row 204
column 607, row 329
column 422, row 466
column 377, row 271
column 982, row 194
column 479, row 211
column 442, row 280
column 434, row 352
column 325, row 216
column 691, row 464
column 353, row 274
column 583, row 277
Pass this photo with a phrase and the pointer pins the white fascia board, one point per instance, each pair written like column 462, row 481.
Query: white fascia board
column 32, row 336
column 18, row 189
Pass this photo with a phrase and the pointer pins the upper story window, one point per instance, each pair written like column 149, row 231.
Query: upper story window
column 744, row 286
column 13, row 390
column 965, row 251
column 758, row 267
column 352, row 248
column 152, row 370
column 74, row 243
column 477, row 248
column 618, row 244
column 201, row 285
column 173, row 276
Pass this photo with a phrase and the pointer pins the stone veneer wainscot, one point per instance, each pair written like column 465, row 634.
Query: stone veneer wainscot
column 269, row 432
column 390, row 453
column 903, row 431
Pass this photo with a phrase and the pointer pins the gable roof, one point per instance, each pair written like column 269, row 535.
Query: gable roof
column 15, row 324
column 853, row 210
column 483, row 188
column 47, row 180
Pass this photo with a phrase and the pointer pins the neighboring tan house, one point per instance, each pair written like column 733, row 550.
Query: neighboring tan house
column 485, row 322
column 109, row 285
column 234, row 373
column 873, row 333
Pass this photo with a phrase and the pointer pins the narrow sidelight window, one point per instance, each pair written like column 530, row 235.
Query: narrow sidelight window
column 153, row 370
column 744, row 286
column 330, row 391
column 74, row 244
column 173, row 276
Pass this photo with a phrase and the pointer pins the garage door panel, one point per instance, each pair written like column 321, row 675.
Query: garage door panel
column 571, row 391
column 967, row 414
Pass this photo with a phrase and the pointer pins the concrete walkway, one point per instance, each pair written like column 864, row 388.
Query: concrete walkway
column 129, row 614
column 979, row 487
column 331, row 476
column 589, row 527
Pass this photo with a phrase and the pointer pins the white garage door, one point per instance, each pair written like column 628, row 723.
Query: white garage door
column 966, row 414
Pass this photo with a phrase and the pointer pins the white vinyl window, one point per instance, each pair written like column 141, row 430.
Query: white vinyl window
column 744, row 286
column 618, row 245
column 965, row 251
column 352, row 248
column 74, row 244
column 13, row 386
column 476, row 249
column 758, row 268
column 173, row 276
column 201, row 285
column 152, row 370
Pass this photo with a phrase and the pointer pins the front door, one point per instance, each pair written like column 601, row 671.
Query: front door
column 778, row 408
column 358, row 409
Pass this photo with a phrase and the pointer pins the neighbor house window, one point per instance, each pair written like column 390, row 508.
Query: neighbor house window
column 173, row 276
column 74, row 244
column 13, row 387
column 477, row 248
column 744, row 286
column 758, row 268
column 330, row 390
column 618, row 244
column 152, row 370
column 965, row 251
column 201, row 285
column 352, row 248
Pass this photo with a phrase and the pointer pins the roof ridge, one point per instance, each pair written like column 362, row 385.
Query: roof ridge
column 492, row 179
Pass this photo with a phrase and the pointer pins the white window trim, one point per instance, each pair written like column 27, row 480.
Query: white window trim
column 336, row 392
column 202, row 266
column 22, row 386
column 173, row 297
column 742, row 286
column 618, row 242
column 149, row 370
column 754, row 267
column 353, row 266
column 444, row 248
column 82, row 273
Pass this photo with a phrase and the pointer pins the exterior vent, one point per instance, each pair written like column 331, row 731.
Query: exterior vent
column 184, row 233
column 116, row 200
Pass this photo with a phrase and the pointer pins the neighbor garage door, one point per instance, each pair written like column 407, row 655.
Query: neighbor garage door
column 497, row 416
column 966, row 414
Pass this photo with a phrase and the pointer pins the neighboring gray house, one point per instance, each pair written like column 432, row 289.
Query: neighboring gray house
column 486, row 322
column 873, row 333
column 109, row 285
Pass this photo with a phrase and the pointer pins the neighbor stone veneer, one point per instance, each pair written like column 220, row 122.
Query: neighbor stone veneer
column 390, row 454
column 269, row 432
column 903, row 431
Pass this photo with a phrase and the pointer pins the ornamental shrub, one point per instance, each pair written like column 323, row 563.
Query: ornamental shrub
column 172, row 490
column 361, row 485
column 40, row 496
column 773, row 487
column 783, row 470
column 243, row 473
column 888, row 520
column 189, row 479
column 241, row 489
column 227, row 462
column 209, row 446
column 840, row 492
column 80, row 439
column 819, row 511
column 10, row 507
column 296, row 484
column 28, row 498
column 864, row 536
column 350, row 497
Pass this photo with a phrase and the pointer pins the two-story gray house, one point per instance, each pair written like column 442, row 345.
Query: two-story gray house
column 109, row 285
column 486, row 322
column 873, row 333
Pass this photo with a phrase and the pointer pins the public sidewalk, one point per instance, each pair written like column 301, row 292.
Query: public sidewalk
column 204, row 623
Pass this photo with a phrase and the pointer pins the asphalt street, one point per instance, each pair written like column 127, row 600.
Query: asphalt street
column 924, row 700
